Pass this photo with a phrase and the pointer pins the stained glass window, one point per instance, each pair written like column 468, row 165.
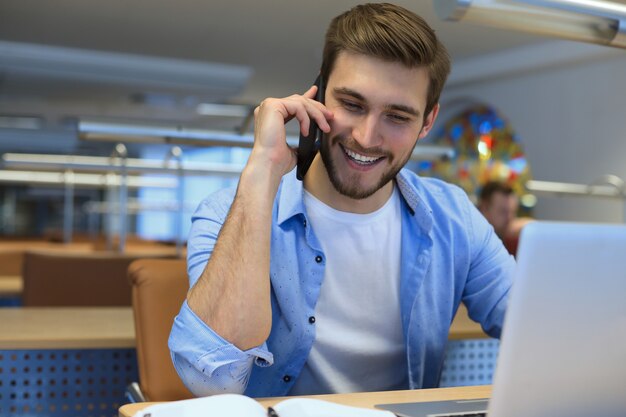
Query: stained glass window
column 485, row 148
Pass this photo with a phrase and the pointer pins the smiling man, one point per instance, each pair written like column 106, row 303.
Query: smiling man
column 348, row 281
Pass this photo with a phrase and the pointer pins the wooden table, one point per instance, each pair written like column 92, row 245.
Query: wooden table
column 28, row 333
column 110, row 327
column 464, row 328
column 367, row 399
column 44, row 349
column 11, row 285
column 67, row 328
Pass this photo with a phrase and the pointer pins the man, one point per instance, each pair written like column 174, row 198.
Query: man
column 499, row 204
column 348, row 281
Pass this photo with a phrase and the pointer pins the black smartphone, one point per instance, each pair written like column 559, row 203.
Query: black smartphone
column 310, row 144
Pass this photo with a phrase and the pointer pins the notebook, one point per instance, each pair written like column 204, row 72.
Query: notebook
column 563, row 347
column 236, row 405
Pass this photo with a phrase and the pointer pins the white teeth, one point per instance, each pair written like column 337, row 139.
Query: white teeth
column 361, row 158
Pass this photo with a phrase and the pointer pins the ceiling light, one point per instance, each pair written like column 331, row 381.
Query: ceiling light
column 82, row 180
column 596, row 7
column 226, row 110
column 21, row 122
column 142, row 73
column 587, row 21
column 100, row 131
column 106, row 164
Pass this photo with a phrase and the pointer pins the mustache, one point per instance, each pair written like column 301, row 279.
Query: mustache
column 355, row 146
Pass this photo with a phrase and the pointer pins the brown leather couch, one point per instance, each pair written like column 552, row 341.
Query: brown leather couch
column 159, row 287
column 76, row 279
column 11, row 262
column 12, row 253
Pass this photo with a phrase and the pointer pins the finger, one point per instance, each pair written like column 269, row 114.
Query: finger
column 321, row 114
column 304, row 119
column 303, row 110
column 311, row 92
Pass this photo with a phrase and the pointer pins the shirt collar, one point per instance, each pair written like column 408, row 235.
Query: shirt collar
column 290, row 198
column 290, row 202
column 420, row 210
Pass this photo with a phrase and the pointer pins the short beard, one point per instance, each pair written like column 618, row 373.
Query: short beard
column 350, row 187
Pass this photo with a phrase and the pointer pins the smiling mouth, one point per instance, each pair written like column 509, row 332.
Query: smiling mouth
column 361, row 159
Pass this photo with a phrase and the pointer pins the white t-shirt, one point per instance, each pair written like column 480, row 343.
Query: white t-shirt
column 359, row 343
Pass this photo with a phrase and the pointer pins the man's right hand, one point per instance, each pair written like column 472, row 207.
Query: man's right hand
column 270, row 138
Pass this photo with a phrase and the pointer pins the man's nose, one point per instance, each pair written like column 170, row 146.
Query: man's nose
column 367, row 132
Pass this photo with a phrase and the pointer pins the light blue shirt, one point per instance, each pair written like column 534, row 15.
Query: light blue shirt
column 449, row 254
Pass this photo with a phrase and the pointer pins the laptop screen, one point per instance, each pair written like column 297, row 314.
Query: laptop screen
column 563, row 348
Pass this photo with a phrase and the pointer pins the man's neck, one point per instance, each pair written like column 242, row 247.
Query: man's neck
column 318, row 183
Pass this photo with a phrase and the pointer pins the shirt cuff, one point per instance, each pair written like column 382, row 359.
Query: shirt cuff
column 199, row 345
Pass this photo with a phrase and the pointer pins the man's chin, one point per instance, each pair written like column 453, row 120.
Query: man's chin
column 356, row 194
column 356, row 190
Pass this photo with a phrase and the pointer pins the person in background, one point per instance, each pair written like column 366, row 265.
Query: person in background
column 499, row 204
column 349, row 280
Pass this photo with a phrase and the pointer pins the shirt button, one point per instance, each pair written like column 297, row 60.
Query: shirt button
column 286, row 378
column 304, row 222
column 312, row 319
column 318, row 259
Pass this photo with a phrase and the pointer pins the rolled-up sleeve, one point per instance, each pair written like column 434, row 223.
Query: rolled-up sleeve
column 206, row 223
column 207, row 363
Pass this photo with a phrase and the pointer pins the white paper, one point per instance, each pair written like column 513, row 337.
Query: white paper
column 225, row 405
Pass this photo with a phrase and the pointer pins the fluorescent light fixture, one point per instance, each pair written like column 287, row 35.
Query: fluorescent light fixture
column 562, row 188
column 596, row 7
column 21, row 122
column 225, row 110
column 137, row 71
column 563, row 19
column 81, row 180
column 134, row 207
column 91, row 130
column 106, row 164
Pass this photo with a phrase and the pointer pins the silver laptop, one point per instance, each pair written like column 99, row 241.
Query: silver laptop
column 563, row 347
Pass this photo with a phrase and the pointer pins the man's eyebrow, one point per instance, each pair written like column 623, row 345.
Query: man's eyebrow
column 349, row 92
column 398, row 107
column 404, row 109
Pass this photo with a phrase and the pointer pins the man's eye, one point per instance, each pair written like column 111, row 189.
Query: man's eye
column 351, row 106
column 396, row 118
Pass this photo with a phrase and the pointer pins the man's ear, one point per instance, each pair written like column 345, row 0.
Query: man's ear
column 429, row 121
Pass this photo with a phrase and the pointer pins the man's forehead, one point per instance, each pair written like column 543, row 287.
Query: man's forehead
column 503, row 198
column 389, row 83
